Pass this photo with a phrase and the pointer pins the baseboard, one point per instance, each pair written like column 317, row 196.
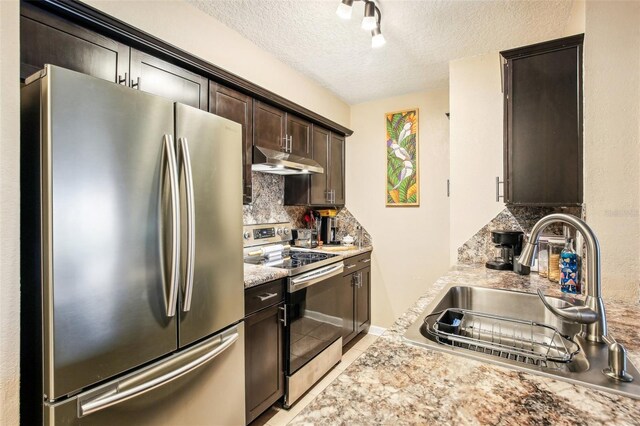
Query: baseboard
column 376, row 331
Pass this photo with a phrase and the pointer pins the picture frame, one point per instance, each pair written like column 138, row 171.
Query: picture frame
column 402, row 177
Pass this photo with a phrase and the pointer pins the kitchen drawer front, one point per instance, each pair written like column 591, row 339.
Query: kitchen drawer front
column 355, row 263
column 262, row 296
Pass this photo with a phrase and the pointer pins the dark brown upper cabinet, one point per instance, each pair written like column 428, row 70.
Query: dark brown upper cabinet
column 159, row 77
column 237, row 107
column 49, row 39
column 543, row 123
column 336, row 169
column 326, row 189
column 280, row 131
column 46, row 39
column 268, row 126
column 319, row 182
column 299, row 134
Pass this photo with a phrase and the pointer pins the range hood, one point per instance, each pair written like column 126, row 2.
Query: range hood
column 281, row 163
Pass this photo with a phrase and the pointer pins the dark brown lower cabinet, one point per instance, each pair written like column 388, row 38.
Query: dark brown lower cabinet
column 355, row 297
column 264, row 346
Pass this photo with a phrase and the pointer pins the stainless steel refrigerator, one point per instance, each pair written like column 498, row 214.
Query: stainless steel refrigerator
column 132, row 275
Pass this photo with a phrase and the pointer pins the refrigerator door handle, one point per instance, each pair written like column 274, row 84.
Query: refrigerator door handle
column 152, row 378
column 168, row 157
column 185, row 160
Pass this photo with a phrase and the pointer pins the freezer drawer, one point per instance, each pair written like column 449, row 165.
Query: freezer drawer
column 208, row 389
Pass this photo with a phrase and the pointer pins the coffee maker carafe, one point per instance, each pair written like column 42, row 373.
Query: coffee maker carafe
column 508, row 245
column 329, row 230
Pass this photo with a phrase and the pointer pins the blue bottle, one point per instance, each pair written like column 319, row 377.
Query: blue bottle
column 569, row 269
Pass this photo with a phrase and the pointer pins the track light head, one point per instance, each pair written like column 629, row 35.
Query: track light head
column 345, row 8
column 377, row 39
column 369, row 21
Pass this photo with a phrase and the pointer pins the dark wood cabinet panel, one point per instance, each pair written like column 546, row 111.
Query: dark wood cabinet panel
column 347, row 308
column 268, row 126
column 355, row 297
column 363, row 301
column 543, row 123
column 264, row 372
column 299, row 132
column 320, row 153
column 336, row 169
column 45, row 39
column 237, row 107
column 161, row 78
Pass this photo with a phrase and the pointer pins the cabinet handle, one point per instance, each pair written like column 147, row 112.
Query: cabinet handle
column 267, row 296
column 284, row 315
column 285, row 143
column 290, row 143
column 498, row 182
column 366, row 260
column 122, row 80
column 350, row 266
column 136, row 84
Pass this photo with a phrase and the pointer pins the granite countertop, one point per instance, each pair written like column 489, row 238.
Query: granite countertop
column 396, row 383
column 257, row 274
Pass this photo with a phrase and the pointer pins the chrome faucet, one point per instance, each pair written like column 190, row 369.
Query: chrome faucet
column 592, row 315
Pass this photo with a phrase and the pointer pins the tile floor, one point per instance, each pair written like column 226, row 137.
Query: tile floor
column 277, row 416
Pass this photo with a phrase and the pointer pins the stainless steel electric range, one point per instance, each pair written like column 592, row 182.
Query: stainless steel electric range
column 312, row 319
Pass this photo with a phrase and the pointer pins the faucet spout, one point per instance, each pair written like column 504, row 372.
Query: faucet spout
column 596, row 330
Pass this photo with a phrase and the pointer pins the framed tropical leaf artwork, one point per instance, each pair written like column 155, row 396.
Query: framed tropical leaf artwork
column 402, row 159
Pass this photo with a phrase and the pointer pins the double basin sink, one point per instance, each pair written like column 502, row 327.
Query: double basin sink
column 489, row 307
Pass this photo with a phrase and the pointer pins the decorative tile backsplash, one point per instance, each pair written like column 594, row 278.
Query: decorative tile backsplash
column 479, row 247
column 268, row 207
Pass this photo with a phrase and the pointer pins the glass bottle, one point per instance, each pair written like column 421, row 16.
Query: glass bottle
column 554, row 261
column 543, row 259
column 569, row 279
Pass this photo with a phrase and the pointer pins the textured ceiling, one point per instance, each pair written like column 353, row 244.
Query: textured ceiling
column 422, row 37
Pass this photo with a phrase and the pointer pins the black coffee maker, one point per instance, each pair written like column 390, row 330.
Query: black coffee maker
column 509, row 244
column 329, row 230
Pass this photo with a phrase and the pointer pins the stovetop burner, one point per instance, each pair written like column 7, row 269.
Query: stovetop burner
column 297, row 261
column 299, row 258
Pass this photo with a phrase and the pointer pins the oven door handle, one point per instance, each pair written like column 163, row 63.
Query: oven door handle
column 314, row 277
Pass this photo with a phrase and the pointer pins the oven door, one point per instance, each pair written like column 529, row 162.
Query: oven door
column 313, row 315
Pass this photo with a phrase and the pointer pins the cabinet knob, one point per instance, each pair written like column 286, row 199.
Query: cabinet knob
column 246, row 235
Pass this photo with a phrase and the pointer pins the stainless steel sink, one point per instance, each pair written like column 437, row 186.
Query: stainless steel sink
column 584, row 368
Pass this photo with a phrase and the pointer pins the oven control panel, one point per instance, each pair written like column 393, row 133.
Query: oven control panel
column 253, row 235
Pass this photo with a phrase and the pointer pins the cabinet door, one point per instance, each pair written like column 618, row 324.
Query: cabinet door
column 320, row 153
column 48, row 39
column 347, row 307
column 363, row 300
column 238, row 107
column 159, row 77
column 336, row 169
column 543, row 127
column 264, row 373
column 268, row 126
column 299, row 131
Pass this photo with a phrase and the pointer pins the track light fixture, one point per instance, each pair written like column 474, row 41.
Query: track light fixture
column 370, row 22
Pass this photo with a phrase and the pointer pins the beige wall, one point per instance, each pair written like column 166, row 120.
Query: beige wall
column 410, row 243
column 475, row 92
column 575, row 25
column 612, row 141
column 187, row 27
column 9, row 213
